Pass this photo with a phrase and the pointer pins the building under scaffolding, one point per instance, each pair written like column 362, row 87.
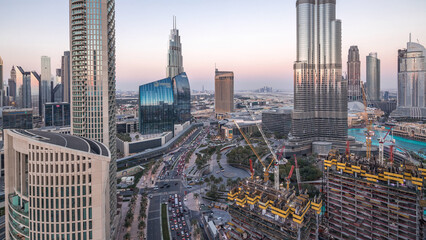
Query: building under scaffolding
column 372, row 200
column 260, row 212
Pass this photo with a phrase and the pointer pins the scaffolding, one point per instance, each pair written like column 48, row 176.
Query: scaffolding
column 259, row 211
column 372, row 200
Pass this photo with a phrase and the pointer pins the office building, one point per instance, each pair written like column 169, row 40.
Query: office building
column 2, row 96
column 164, row 103
column 372, row 200
column 57, row 93
column 57, row 114
column 46, row 78
column 354, row 75
column 174, row 57
column 320, row 93
column 223, row 92
column 56, row 186
column 411, row 82
column 18, row 118
column 373, row 77
column 277, row 122
column 28, row 90
column 92, row 41
column 66, row 76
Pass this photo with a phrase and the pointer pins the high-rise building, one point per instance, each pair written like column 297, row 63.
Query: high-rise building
column 57, row 93
column 223, row 92
column 164, row 103
column 18, row 118
column 28, row 90
column 57, row 114
column 1, row 84
column 354, row 75
column 12, row 86
column 66, row 76
column 320, row 93
column 411, row 82
column 174, row 57
column 92, row 41
column 46, row 78
column 277, row 122
column 373, row 77
column 56, row 186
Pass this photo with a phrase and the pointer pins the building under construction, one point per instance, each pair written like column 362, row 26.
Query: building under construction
column 259, row 211
column 373, row 200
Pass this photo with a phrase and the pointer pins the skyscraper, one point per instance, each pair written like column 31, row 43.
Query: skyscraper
column 223, row 92
column 46, row 78
column 373, row 77
column 320, row 93
column 354, row 75
column 56, row 186
column 1, row 84
column 28, row 90
column 411, row 82
column 66, row 76
column 92, row 41
column 12, row 86
column 174, row 57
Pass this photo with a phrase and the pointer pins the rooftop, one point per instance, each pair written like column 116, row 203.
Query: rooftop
column 68, row 141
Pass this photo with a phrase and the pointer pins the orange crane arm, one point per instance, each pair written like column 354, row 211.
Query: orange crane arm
column 291, row 172
column 251, row 146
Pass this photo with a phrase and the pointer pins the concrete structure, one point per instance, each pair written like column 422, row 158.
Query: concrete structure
column 223, row 92
column 373, row 77
column 414, row 131
column 143, row 142
column 174, row 57
column 260, row 212
column 92, row 41
column 411, row 82
column 66, row 76
column 56, row 186
column 373, row 200
column 354, row 75
column 320, row 93
column 277, row 122
column 46, row 79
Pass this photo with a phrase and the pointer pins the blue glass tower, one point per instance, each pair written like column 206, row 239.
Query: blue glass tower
column 164, row 103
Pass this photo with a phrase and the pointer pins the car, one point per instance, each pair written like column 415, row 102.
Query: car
column 180, row 226
column 182, row 233
column 187, row 234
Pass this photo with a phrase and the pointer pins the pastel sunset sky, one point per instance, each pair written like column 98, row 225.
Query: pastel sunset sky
column 254, row 38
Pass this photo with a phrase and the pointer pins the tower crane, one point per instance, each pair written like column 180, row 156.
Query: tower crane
column 368, row 123
column 288, row 177
column 297, row 174
column 381, row 146
column 274, row 156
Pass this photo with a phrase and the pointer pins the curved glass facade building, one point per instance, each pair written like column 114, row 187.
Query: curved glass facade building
column 373, row 77
column 320, row 93
column 164, row 103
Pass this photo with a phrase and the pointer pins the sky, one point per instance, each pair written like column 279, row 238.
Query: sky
column 254, row 38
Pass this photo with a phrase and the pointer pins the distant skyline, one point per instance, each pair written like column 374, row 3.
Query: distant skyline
column 255, row 39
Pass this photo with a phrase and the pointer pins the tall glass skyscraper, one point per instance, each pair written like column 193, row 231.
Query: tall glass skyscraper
column 46, row 78
column 2, row 97
column 223, row 92
column 320, row 93
column 354, row 75
column 92, row 44
column 66, row 76
column 28, row 90
column 164, row 103
column 174, row 57
column 411, row 82
column 373, row 77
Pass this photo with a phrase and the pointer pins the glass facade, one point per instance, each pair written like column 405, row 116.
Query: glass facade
column 156, row 107
column 18, row 119
column 182, row 97
column 164, row 103
column 57, row 114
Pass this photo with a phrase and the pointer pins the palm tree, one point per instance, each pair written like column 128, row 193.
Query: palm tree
column 196, row 195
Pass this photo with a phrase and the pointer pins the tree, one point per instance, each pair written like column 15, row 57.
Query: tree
column 196, row 195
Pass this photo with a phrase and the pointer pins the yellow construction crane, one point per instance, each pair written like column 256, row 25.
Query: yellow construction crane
column 368, row 124
column 265, row 168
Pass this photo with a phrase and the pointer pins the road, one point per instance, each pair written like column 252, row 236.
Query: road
column 169, row 183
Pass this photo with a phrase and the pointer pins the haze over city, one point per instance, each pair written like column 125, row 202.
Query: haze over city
column 255, row 39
